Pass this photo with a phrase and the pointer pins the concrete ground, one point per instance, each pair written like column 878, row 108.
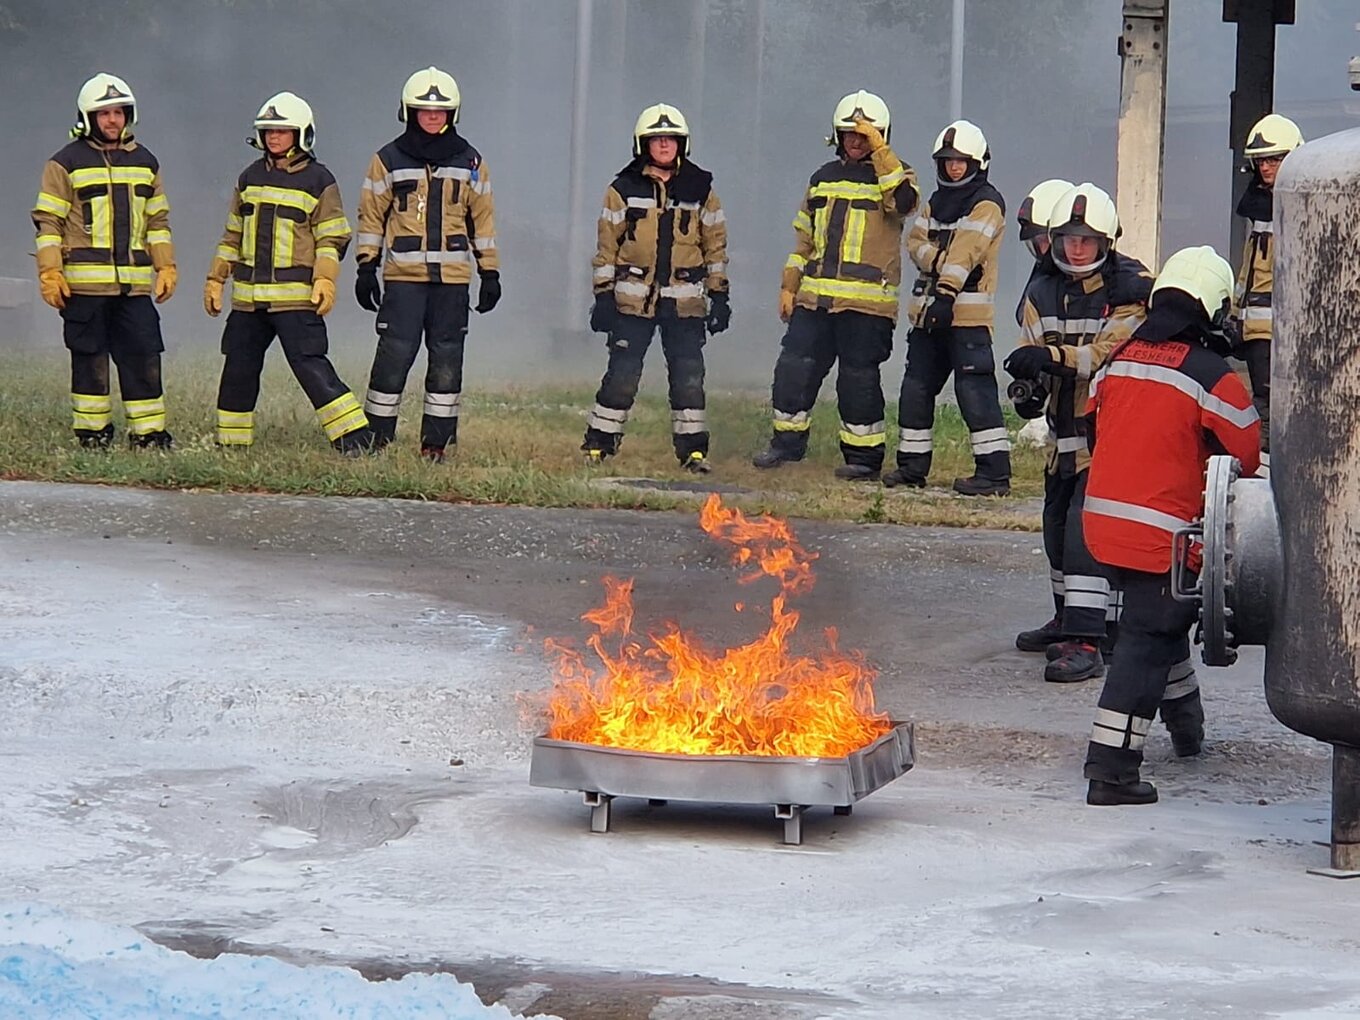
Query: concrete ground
column 297, row 727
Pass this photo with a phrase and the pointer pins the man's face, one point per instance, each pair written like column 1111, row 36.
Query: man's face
column 1268, row 167
column 432, row 121
column 856, row 146
column 1079, row 250
column 663, row 149
column 956, row 169
column 279, row 140
column 110, row 123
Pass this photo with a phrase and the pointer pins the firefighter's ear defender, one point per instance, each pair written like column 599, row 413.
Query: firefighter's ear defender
column 102, row 92
column 1272, row 135
column 281, row 112
column 1084, row 211
column 1203, row 274
column 860, row 105
column 430, row 89
column 661, row 119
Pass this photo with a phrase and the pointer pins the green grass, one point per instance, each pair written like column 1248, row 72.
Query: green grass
column 516, row 446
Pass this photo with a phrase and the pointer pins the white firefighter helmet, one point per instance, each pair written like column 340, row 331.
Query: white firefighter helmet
column 281, row 112
column 860, row 105
column 1038, row 205
column 430, row 89
column 661, row 119
column 1272, row 135
column 102, row 92
column 963, row 140
column 1202, row 273
column 1084, row 211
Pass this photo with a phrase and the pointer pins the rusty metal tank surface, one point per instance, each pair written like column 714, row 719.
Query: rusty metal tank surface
column 1313, row 654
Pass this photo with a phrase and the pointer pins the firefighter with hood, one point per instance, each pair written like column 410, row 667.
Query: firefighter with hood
column 660, row 266
column 1271, row 139
column 285, row 236
column 427, row 203
column 1072, row 319
column 1160, row 407
column 104, row 251
column 954, row 242
column 839, row 293
column 1032, row 218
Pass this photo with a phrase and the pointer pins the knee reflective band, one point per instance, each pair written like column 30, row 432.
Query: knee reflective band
column 797, row 421
column 1180, row 681
column 915, row 440
column 235, row 428
column 442, row 405
column 990, row 441
column 607, row 419
column 1055, row 579
column 1118, row 729
column 382, row 405
column 1083, row 591
column 688, row 422
column 341, row 416
column 145, row 416
column 91, row 411
column 863, row 435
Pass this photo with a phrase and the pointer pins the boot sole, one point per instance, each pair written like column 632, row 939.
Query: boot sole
column 1090, row 674
column 1104, row 799
column 1028, row 646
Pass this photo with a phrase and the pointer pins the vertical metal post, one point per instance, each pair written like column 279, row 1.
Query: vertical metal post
column 1142, row 127
column 699, row 44
column 1345, row 808
column 577, row 290
column 956, row 62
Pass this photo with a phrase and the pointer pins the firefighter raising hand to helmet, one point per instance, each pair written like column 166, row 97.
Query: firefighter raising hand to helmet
column 427, row 200
column 839, row 291
column 104, row 249
column 660, row 263
column 954, row 242
column 286, row 234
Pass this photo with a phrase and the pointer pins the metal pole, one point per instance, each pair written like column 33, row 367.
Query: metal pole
column 1253, row 95
column 1142, row 127
column 956, row 63
column 1345, row 808
column 580, row 92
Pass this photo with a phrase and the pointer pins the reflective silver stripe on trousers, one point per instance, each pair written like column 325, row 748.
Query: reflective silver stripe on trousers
column 1068, row 444
column 688, row 421
column 607, row 419
column 442, row 405
column 990, row 441
column 1055, row 580
column 1117, row 729
column 381, row 405
column 1084, row 591
column 915, row 440
column 1180, row 681
column 876, row 429
column 794, row 418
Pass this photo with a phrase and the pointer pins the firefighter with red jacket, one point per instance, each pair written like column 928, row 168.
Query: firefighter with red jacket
column 1164, row 403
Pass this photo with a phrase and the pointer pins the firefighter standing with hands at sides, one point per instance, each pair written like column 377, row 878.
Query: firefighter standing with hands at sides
column 839, row 292
column 104, row 250
column 427, row 200
column 660, row 264
column 1164, row 403
column 1270, row 140
column 286, row 234
column 954, row 242
column 1072, row 319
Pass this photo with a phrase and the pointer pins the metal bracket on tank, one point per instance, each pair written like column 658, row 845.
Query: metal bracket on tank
column 1212, row 588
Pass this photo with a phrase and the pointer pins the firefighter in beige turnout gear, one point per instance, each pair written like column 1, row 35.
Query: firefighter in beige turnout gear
column 285, row 236
column 104, row 250
column 660, row 265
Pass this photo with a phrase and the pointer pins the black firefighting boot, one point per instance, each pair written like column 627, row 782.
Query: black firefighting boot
column 384, row 430
column 1080, row 660
column 898, row 476
column 91, row 439
column 1184, row 719
column 774, row 455
column 434, row 454
column 856, row 473
column 1040, row 638
column 696, row 464
column 1103, row 794
column 159, row 440
column 354, row 444
column 981, row 485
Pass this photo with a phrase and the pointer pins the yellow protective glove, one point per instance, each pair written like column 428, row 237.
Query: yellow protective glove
column 55, row 290
column 164, row 287
column 786, row 298
column 212, row 297
column 871, row 134
column 323, row 296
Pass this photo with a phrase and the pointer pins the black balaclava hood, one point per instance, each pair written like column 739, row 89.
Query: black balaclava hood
column 419, row 144
column 1257, row 202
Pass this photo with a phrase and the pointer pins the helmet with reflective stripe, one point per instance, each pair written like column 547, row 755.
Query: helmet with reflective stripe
column 1083, row 211
column 860, row 105
column 1203, row 274
column 658, row 121
column 1272, row 135
column 281, row 112
column 961, row 140
column 1038, row 205
column 102, row 92
column 430, row 89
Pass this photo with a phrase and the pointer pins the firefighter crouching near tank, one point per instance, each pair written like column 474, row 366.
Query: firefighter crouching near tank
column 1271, row 139
column 1072, row 319
column 427, row 200
column 954, row 242
column 103, row 248
column 839, row 293
column 285, row 236
column 1160, row 407
column 660, row 264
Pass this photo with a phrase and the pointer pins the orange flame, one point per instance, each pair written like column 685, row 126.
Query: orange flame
column 665, row 693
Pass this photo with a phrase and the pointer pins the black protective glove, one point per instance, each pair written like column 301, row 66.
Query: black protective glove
column 490, row 292
column 1028, row 362
column 719, row 312
column 940, row 313
column 366, row 290
column 604, row 315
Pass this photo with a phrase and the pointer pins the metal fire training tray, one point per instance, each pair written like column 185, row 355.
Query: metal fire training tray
column 790, row 784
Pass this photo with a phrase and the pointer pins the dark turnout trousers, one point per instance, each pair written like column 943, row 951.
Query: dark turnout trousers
column 1081, row 586
column 96, row 328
